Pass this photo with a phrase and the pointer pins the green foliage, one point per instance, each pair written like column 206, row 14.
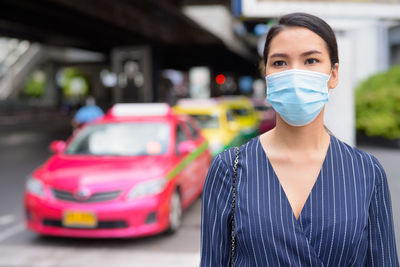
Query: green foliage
column 74, row 83
column 35, row 85
column 378, row 104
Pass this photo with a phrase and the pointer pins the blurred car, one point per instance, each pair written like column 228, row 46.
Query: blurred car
column 217, row 121
column 266, row 114
column 129, row 174
column 244, row 113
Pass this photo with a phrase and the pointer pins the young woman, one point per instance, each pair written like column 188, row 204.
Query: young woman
column 303, row 197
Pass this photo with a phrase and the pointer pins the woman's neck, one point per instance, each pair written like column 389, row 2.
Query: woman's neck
column 310, row 137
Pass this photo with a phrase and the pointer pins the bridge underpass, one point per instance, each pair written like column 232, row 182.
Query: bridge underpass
column 158, row 34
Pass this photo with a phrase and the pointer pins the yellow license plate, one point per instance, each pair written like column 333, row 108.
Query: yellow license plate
column 79, row 219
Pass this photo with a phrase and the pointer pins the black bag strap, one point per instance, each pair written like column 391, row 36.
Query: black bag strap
column 235, row 164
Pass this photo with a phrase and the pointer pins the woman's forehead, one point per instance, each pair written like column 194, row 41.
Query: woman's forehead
column 297, row 40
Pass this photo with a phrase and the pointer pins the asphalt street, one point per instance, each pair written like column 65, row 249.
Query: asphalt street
column 25, row 148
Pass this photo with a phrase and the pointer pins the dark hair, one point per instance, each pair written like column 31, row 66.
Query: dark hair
column 313, row 23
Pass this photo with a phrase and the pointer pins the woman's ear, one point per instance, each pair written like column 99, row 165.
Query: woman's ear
column 333, row 81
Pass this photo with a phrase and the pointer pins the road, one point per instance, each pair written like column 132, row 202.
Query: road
column 24, row 148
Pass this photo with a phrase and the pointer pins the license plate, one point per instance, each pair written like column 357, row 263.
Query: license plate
column 79, row 219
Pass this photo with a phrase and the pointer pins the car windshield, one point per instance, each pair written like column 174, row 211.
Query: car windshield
column 240, row 112
column 121, row 139
column 261, row 108
column 207, row 121
column 229, row 115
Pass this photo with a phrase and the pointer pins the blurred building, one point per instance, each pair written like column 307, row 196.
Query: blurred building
column 368, row 33
column 394, row 42
column 121, row 48
column 159, row 51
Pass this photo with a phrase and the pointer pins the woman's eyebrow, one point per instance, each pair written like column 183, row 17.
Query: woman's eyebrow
column 310, row 53
column 278, row 55
column 303, row 54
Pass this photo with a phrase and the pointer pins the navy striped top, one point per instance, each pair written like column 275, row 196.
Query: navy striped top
column 346, row 220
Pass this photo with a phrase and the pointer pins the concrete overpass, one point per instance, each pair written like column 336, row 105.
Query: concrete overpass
column 170, row 37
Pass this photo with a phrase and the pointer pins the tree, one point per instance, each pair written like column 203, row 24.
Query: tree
column 378, row 104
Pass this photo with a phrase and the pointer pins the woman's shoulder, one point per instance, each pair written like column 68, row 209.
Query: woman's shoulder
column 221, row 170
column 352, row 151
column 363, row 159
column 228, row 155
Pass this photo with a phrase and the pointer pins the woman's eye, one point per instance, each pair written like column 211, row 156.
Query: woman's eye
column 279, row 63
column 312, row 61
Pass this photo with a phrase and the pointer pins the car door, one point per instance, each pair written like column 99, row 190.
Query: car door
column 184, row 175
column 191, row 175
column 202, row 158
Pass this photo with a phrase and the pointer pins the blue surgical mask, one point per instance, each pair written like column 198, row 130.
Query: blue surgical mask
column 297, row 95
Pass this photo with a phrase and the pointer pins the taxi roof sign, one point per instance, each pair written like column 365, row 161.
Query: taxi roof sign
column 190, row 102
column 232, row 97
column 140, row 109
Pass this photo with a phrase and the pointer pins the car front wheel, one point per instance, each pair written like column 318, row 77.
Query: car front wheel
column 175, row 213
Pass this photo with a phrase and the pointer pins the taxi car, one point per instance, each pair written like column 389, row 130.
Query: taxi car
column 129, row 174
column 219, row 126
column 266, row 114
column 243, row 111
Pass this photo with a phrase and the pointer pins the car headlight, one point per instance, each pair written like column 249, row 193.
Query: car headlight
column 147, row 188
column 35, row 186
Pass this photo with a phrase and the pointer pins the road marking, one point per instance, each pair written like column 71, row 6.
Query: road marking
column 7, row 219
column 12, row 231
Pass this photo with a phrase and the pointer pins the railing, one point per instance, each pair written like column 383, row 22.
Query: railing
column 10, row 51
column 17, row 59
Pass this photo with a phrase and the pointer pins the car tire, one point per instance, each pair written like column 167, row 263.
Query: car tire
column 175, row 213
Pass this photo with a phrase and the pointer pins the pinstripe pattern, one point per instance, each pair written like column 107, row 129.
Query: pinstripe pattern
column 346, row 220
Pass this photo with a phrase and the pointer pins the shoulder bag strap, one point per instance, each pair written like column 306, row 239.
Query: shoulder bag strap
column 235, row 164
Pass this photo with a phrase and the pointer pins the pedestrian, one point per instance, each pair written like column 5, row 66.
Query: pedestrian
column 88, row 113
column 300, row 196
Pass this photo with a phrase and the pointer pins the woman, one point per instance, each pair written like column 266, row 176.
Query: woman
column 303, row 197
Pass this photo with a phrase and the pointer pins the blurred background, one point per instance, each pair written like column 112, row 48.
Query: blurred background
column 57, row 54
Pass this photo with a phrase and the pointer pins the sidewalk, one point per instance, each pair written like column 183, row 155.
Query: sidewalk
column 39, row 128
column 390, row 158
column 30, row 118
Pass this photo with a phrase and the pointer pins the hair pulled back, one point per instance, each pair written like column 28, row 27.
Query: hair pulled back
column 313, row 23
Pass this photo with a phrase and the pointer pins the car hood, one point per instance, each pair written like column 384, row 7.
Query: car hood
column 211, row 134
column 67, row 171
column 246, row 121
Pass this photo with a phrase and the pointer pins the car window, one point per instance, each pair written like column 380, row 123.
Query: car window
column 229, row 116
column 180, row 136
column 121, row 139
column 240, row 112
column 192, row 130
column 262, row 108
column 207, row 121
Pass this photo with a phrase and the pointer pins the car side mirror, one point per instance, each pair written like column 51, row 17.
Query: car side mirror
column 186, row 147
column 58, row 146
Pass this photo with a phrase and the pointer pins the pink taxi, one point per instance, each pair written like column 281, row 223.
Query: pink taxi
column 130, row 174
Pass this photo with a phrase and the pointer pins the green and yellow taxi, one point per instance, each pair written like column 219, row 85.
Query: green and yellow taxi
column 216, row 120
column 244, row 113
